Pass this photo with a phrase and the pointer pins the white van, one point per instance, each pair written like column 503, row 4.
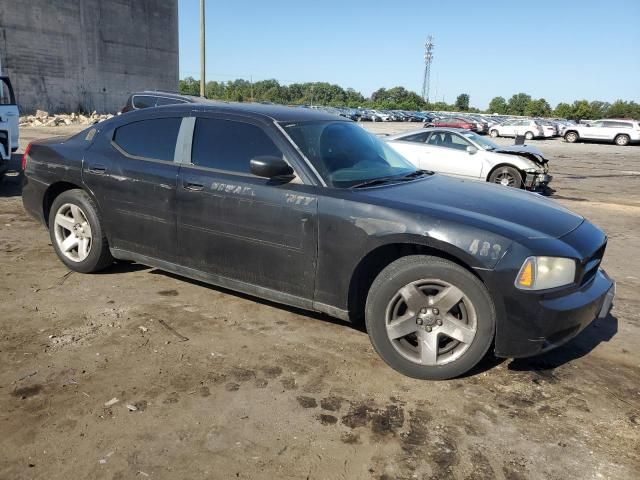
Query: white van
column 9, row 117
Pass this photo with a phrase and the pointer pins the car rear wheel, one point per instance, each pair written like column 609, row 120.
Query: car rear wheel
column 622, row 140
column 494, row 133
column 77, row 234
column 571, row 137
column 429, row 318
column 528, row 135
column 506, row 176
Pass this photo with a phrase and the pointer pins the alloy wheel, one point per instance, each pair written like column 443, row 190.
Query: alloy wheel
column 505, row 179
column 72, row 232
column 431, row 322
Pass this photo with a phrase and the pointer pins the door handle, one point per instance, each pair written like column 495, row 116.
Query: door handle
column 194, row 187
column 97, row 169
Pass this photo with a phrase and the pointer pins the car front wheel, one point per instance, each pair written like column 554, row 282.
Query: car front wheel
column 494, row 133
column 528, row 135
column 571, row 137
column 77, row 234
column 506, row 176
column 429, row 318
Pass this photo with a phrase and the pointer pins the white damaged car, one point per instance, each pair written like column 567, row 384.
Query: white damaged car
column 464, row 154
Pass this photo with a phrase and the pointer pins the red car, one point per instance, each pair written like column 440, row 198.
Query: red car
column 454, row 122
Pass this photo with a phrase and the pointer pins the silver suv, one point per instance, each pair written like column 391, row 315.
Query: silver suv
column 621, row 132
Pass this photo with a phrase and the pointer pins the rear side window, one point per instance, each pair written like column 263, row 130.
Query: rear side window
column 143, row 101
column 229, row 145
column 617, row 124
column 153, row 139
column 416, row 137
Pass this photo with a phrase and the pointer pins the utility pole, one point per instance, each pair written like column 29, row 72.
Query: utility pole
column 428, row 57
column 202, row 56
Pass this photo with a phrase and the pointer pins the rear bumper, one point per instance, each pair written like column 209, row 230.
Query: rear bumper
column 33, row 192
column 554, row 321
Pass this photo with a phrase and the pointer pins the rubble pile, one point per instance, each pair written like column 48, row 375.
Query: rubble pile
column 44, row 119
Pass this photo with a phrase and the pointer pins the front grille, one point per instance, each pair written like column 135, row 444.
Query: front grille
column 591, row 265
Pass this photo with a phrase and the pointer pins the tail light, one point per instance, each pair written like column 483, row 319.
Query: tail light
column 24, row 157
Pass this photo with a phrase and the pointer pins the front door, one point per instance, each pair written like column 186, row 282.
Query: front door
column 452, row 157
column 239, row 227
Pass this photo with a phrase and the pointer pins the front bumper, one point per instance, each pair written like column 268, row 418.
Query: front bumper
column 554, row 321
column 537, row 180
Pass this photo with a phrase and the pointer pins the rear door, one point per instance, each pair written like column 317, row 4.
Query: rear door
column 133, row 173
column 240, row 227
column 9, row 114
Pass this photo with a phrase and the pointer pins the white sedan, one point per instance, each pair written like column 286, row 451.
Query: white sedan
column 461, row 153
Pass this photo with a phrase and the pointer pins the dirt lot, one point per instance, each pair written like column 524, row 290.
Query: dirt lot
column 263, row 391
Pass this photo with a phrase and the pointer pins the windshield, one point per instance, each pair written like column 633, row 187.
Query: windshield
column 478, row 140
column 345, row 154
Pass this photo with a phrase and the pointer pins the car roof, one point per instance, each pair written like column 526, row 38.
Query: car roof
column 278, row 113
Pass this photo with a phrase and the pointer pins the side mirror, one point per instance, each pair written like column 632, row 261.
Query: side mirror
column 268, row 166
column 471, row 150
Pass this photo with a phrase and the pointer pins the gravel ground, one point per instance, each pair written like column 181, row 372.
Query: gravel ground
column 262, row 391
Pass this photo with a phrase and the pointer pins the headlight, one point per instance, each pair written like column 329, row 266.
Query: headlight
column 541, row 273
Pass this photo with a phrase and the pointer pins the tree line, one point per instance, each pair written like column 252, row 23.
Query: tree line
column 399, row 98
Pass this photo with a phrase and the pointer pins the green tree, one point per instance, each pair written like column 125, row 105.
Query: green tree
column 538, row 108
column 599, row 109
column 442, row 107
column 397, row 98
column 518, row 103
column 462, row 102
column 582, row 110
column 498, row 105
column 622, row 109
column 189, row 86
column 563, row 110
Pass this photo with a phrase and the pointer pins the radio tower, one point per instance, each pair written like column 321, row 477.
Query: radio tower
column 428, row 57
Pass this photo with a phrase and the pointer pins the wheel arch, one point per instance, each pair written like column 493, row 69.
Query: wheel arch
column 53, row 191
column 506, row 164
column 371, row 264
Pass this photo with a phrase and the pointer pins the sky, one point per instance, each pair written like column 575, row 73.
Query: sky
column 558, row 50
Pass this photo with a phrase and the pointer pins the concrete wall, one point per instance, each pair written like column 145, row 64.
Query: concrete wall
column 71, row 55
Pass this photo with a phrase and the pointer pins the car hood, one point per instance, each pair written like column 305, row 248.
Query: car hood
column 532, row 153
column 506, row 211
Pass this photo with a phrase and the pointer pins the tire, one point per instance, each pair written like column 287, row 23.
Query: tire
column 507, row 176
column 494, row 133
column 528, row 135
column 428, row 352
column 76, row 232
column 622, row 140
column 571, row 137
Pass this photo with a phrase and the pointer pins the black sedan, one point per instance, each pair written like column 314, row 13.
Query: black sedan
column 308, row 209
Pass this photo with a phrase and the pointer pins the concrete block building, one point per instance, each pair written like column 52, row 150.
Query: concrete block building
column 85, row 55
